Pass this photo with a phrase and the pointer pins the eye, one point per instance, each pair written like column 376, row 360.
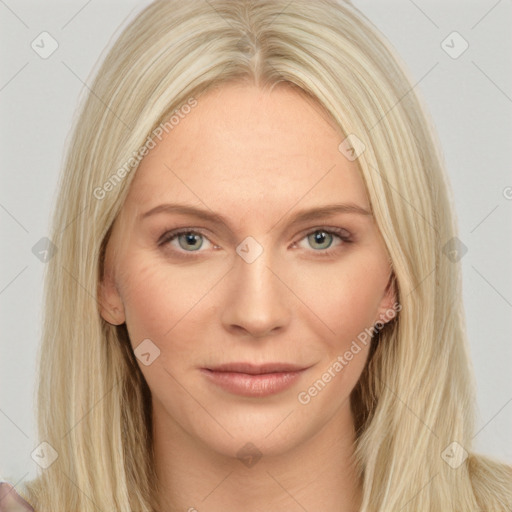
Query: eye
column 325, row 240
column 187, row 240
column 320, row 239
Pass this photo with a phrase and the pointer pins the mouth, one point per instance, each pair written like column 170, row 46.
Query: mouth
column 247, row 379
column 252, row 369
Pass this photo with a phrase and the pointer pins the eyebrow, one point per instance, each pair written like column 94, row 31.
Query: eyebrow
column 301, row 216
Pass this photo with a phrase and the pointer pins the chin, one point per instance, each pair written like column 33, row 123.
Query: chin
column 257, row 433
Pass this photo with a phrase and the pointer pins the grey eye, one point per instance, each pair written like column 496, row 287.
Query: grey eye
column 320, row 239
column 190, row 241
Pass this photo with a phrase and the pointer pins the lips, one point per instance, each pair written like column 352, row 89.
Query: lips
column 252, row 369
column 250, row 380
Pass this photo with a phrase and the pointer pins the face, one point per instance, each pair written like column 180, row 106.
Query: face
column 244, row 241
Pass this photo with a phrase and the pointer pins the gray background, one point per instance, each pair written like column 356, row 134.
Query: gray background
column 469, row 98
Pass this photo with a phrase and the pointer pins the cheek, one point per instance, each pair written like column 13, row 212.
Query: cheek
column 161, row 299
column 344, row 297
column 169, row 306
column 347, row 300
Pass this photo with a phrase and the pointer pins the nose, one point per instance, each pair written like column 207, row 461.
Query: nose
column 257, row 303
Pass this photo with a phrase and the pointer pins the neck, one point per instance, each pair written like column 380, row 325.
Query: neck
column 318, row 474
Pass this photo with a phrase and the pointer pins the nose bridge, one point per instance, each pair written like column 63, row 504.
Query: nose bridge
column 257, row 303
column 255, row 276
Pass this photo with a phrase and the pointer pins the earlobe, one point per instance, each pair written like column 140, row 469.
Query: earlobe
column 111, row 305
column 112, row 315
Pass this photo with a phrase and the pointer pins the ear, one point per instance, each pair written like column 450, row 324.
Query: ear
column 111, row 305
column 389, row 307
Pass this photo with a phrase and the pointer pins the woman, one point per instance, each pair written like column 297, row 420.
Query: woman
column 252, row 291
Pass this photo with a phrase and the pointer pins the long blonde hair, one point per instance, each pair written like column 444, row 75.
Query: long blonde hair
column 415, row 397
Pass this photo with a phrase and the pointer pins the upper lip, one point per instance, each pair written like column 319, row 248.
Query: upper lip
column 254, row 369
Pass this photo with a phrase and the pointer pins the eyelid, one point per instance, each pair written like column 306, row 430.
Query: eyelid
column 172, row 233
column 343, row 233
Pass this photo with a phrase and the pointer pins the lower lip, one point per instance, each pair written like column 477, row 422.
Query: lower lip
column 243, row 384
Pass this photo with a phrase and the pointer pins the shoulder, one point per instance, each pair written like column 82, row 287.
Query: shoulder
column 11, row 501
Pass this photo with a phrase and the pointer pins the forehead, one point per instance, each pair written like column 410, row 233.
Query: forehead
column 241, row 148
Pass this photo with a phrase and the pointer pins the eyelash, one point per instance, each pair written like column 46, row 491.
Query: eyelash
column 342, row 234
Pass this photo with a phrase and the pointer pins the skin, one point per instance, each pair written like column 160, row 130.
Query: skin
column 256, row 158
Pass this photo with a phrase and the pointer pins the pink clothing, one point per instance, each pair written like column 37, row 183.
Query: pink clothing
column 11, row 501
